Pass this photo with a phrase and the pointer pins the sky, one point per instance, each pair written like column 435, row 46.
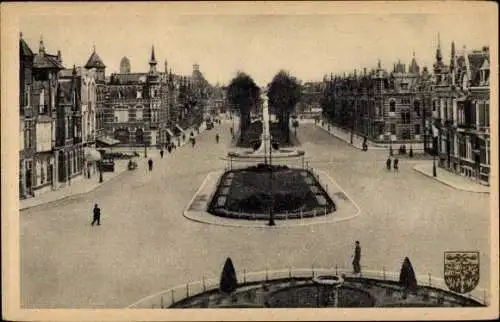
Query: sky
column 308, row 45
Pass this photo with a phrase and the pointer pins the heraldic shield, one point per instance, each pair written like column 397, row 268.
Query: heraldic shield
column 461, row 271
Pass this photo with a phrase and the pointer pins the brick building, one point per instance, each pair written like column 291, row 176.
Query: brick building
column 460, row 104
column 150, row 108
column 386, row 107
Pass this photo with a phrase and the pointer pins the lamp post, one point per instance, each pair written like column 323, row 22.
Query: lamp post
column 145, row 150
column 271, row 187
column 100, row 173
column 434, row 152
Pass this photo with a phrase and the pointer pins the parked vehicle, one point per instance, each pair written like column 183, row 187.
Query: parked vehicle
column 210, row 124
column 107, row 165
column 132, row 165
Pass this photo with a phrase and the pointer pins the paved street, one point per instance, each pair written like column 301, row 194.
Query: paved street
column 145, row 245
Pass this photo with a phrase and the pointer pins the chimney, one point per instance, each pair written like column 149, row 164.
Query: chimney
column 59, row 56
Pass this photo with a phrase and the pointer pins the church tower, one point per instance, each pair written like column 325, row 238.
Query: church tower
column 96, row 62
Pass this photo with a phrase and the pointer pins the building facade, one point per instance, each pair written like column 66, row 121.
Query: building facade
column 461, row 98
column 151, row 108
column 386, row 107
column 44, row 93
column 68, row 150
column 27, row 118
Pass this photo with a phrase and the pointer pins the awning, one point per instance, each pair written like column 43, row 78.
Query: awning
column 179, row 128
column 170, row 132
column 107, row 140
column 91, row 154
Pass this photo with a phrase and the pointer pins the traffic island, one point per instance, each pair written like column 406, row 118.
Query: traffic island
column 241, row 199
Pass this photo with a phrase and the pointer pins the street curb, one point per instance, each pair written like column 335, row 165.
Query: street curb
column 415, row 168
column 73, row 195
column 349, row 143
column 240, row 223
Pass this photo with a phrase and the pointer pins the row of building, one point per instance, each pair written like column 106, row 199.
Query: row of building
column 445, row 112
column 65, row 114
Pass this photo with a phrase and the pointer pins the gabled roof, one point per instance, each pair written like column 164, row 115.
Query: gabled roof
column 95, row 61
column 24, row 49
column 46, row 61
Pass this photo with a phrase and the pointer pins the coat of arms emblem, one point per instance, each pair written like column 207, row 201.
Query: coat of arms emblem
column 461, row 271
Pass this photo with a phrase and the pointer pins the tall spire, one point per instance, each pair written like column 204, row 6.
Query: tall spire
column 152, row 61
column 439, row 56
column 379, row 65
column 41, row 49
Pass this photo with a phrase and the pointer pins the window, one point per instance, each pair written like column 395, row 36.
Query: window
column 392, row 128
column 434, row 106
column 27, row 95
column 417, row 129
column 42, row 173
column 138, row 115
column 404, row 86
column 405, row 117
column 405, row 100
column 416, row 107
column 392, row 106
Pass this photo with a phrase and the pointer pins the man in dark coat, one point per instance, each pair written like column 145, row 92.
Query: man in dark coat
column 97, row 216
column 150, row 164
column 388, row 163
column 161, row 153
column 356, row 266
column 396, row 165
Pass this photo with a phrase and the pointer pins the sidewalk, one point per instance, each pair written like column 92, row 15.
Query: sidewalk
column 450, row 179
column 78, row 186
column 345, row 136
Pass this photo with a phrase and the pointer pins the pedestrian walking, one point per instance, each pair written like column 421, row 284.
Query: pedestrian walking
column 150, row 164
column 193, row 142
column 396, row 165
column 217, row 138
column 356, row 262
column 161, row 153
column 169, row 148
column 97, row 216
column 388, row 164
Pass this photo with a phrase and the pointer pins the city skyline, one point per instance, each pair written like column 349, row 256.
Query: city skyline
column 308, row 46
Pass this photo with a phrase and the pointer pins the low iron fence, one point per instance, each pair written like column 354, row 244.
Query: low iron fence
column 165, row 299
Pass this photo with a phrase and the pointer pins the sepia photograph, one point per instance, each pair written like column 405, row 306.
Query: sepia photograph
column 225, row 160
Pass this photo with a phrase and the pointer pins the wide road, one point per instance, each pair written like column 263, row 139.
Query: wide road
column 145, row 245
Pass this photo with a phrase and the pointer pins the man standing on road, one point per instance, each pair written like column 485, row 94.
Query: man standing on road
column 396, row 165
column 150, row 164
column 356, row 266
column 388, row 164
column 161, row 153
column 97, row 216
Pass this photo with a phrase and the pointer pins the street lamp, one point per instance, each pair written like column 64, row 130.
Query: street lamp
column 100, row 172
column 271, row 186
column 145, row 150
column 434, row 152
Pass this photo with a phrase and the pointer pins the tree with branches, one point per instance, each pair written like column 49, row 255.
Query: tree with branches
column 243, row 95
column 284, row 93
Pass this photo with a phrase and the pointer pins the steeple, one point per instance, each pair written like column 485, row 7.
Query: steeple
column 414, row 68
column 439, row 56
column 41, row 49
column 152, row 61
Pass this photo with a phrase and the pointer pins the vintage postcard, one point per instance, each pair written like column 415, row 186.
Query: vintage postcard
column 249, row 161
